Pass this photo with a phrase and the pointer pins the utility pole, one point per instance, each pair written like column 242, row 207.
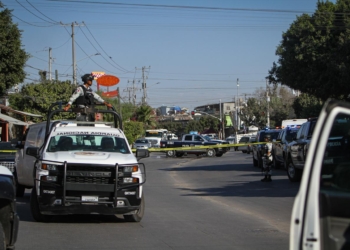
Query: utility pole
column 50, row 59
column 268, row 104
column 237, row 106
column 132, row 89
column 144, row 87
column 73, row 51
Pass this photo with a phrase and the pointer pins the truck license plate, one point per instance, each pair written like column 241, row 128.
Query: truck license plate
column 89, row 198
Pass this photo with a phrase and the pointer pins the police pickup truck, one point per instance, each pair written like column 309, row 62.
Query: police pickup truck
column 321, row 216
column 76, row 167
column 196, row 142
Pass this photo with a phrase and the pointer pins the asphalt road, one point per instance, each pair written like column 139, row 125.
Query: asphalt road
column 191, row 203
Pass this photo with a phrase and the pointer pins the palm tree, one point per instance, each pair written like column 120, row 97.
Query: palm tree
column 144, row 115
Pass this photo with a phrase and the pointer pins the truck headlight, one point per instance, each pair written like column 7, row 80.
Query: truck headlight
column 48, row 166
column 130, row 180
column 129, row 169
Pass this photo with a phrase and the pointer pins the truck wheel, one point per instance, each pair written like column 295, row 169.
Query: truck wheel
column 170, row 153
column 2, row 238
column 34, row 207
column 19, row 188
column 211, row 152
column 293, row 173
column 139, row 214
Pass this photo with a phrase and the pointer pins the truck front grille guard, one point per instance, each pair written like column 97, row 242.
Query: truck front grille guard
column 116, row 188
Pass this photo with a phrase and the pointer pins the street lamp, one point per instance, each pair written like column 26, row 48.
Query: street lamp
column 75, row 66
column 237, row 106
column 268, row 106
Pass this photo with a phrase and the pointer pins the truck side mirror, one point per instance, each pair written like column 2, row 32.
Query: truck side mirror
column 33, row 151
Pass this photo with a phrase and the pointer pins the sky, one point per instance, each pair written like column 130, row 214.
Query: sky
column 194, row 52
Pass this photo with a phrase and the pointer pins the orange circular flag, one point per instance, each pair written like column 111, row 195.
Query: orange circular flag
column 107, row 80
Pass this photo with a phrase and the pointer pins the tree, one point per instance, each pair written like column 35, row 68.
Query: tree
column 307, row 106
column 144, row 114
column 313, row 53
column 12, row 56
column 37, row 98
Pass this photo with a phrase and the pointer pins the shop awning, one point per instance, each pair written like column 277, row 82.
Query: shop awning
column 8, row 109
column 12, row 120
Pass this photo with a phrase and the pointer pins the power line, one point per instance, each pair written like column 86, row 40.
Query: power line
column 33, row 13
column 42, row 13
column 123, row 69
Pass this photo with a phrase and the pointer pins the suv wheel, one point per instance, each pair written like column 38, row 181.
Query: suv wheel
column 293, row 173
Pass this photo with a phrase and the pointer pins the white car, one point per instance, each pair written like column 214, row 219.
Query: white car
column 321, row 212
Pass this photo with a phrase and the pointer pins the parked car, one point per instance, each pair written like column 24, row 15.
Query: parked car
column 7, row 155
column 258, row 148
column 246, row 140
column 9, row 220
column 297, row 150
column 250, row 144
column 142, row 144
column 279, row 148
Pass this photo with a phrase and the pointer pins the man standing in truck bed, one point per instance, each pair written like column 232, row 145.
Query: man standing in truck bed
column 83, row 96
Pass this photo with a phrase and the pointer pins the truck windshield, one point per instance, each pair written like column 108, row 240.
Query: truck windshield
column 88, row 143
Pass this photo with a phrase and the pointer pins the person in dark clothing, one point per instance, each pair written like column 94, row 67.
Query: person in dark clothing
column 83, row 97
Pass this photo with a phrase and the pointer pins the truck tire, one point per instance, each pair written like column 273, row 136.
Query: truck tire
column 139, row 214
column 170, row 153
column 211, row 152
column 19, row 188
column 34, row 207
column 2, row 238
column 293, row 173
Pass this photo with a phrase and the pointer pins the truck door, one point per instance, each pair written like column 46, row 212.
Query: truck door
column 321, row 215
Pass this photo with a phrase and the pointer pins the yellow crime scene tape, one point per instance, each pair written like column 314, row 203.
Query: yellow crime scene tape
column 8, row 151
column 197, row 147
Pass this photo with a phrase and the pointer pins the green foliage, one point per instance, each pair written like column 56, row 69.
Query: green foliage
column 13, row 57
column 174, row 127
column 314, row 52
column 37, row 98
column 144, row 114
column 307, row 106
column 280, row 108
column 133, row 130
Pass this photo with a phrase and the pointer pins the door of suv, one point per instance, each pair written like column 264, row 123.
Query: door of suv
column 321, row 215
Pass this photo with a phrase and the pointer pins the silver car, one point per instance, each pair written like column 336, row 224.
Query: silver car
column 142, row 144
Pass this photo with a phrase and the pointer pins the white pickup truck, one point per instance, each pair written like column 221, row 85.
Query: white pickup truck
column 81, row 168
column 321, row 214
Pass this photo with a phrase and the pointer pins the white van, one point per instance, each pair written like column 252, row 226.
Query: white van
column 321, row 212
column 293, row 123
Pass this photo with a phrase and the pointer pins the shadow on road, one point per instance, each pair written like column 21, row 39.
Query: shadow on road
column 244, row 181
